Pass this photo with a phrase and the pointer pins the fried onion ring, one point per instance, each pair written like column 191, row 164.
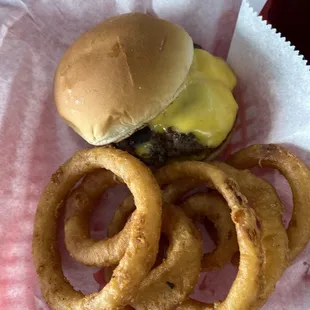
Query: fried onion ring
column 214, row 207
column 164, row 288
column 120, row 216
column 176, row 190
column 246, row 287
column 297, row 174
column 142, row 246
column 264, row 200
column 79, row 204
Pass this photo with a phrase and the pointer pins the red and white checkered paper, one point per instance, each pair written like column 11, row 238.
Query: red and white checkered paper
column 273, row 93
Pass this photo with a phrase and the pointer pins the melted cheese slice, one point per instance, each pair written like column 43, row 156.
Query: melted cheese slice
column 206, row 106
column 143, row 149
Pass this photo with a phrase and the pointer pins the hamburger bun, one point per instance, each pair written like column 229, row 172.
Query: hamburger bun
column 110, row 82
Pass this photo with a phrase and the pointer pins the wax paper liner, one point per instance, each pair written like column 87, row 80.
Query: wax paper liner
column 273, row 92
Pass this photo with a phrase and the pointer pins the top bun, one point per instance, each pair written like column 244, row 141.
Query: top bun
column 121, row 74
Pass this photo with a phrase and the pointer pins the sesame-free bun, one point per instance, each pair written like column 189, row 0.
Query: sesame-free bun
column 121, row 74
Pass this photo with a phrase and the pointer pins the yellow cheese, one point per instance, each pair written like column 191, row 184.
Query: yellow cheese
column 206, row 106
column 212, row 68
column 143, row 149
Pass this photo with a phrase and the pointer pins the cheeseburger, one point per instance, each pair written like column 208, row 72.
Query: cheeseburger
column 139, row 83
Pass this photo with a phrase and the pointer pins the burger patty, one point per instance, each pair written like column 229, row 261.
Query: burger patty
column 161, row 146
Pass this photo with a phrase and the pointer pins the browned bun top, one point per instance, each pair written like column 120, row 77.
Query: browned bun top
column 121, row 74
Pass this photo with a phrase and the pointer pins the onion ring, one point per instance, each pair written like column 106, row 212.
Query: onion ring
column 164, row 288
column 214, row 207
column 79, row 204
column 142, row 245
column 121, row 216
column 264, row 200
column 297, row 174
column 246, row 287
column 176, row 190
